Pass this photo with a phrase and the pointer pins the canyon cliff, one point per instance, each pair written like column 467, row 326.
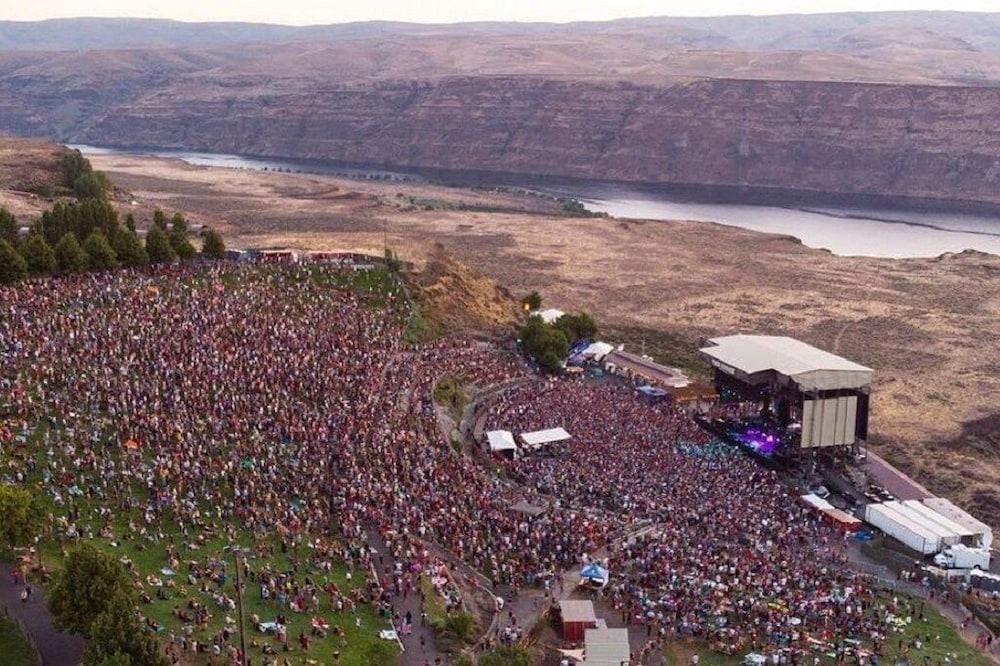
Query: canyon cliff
column 636, row 108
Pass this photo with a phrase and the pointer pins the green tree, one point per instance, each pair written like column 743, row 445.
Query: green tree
column 99, row 253
column 130, row 222
column 9, row 230
column 532, row 301
column 181, row 243
column 545, row 343
column 510, row 655
column 74, row 165
column 38, row 255
column 129, row 250
column 577, row 327
column 12, row 264
column 93, row 185
column 159, row 219
column 212, row 246
column 178, row 223
column 19, row 518
column 115, row 634
column 158, row 246
column 70, row 257
column 89, row 581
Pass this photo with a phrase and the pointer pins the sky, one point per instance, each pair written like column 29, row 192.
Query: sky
column 303, row 12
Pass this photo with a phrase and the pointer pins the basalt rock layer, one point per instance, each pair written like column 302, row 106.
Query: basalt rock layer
column 922, row 141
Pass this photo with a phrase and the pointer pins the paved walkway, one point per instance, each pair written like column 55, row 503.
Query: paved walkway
column 414, row 653
column 55, row 648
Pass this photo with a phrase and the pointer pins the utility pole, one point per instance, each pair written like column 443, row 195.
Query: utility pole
column 239, row 606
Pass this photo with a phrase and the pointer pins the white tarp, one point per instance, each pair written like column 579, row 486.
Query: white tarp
column 501, row 440
column 542, row 437
column 548, row 316
column 809, row 367
column 597, row 350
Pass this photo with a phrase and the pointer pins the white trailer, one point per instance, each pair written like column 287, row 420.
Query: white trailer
column 966, row 535
column 947, row 537
column 945, row 507
column 902, row 528
column 963, row 557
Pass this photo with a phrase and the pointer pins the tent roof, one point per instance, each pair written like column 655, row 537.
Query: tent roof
column 577, row 610
column 606, row 647
column 539, row 437
column 501, row 440
column 594, row 570
column 548, row 316
column 810, row 367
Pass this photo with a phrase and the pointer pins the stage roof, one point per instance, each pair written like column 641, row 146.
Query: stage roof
column 807, row 366
column 540, row 437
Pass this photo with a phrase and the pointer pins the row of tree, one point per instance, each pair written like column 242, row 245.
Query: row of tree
column 72, row 238
column 79, row 176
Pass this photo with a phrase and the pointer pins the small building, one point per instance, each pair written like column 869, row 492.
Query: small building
column 645, row 369
column 575, row 617
column 606, row 647
column 501, row 442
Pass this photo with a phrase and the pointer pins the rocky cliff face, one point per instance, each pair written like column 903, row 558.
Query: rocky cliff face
column 937, row 142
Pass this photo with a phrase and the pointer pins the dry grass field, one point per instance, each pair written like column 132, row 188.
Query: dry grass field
column 929, row 327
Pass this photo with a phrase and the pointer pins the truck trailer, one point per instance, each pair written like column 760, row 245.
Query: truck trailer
column 900, row 527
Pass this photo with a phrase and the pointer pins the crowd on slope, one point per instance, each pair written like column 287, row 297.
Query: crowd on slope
column 226, row 399
column 727, row 554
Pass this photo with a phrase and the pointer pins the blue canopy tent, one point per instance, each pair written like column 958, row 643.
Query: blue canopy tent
column 594, row 574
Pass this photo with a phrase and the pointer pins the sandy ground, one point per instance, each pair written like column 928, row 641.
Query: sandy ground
column 929, row 327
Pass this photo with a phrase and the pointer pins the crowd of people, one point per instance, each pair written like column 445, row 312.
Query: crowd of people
column 714, row 546
column 243, row 403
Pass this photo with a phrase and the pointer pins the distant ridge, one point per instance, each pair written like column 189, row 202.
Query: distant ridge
column 980, row 31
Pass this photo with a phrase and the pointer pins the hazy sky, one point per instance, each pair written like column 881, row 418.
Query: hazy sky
column 336, row 11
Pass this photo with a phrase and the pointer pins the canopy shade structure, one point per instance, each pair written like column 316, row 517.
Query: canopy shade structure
column 542, row 437
column 597, row 350
column 810, row 368
column 594, row 573
column 501, row 440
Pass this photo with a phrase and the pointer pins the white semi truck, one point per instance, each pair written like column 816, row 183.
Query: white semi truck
column 961, row 556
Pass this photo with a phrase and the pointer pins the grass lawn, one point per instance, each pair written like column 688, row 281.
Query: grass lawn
column 14, row 649
column 944, row 641
column 359, row 646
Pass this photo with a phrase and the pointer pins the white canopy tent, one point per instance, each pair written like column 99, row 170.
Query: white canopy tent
column 811, row 368
column 539, row 438
column 501, row 440
column 548, row 316
column 597, row 350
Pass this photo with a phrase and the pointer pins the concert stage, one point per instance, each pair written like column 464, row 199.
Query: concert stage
column 781, row 397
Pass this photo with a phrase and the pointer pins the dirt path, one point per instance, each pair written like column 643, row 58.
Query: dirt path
column 54, row 647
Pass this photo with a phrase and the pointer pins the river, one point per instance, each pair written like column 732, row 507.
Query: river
column 883, row 232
